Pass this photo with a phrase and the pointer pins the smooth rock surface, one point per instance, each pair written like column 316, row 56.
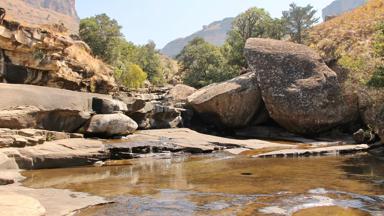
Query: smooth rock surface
column 14, row 204
column 230, row 104
column 56, row 154
column 111, row 125
column 300, row 92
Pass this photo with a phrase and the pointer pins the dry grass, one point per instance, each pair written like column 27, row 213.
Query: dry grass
column 21, row 12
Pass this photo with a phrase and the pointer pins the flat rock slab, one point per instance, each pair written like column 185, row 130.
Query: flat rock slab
column 189, row 139
column 57, row 154
column 14, row 204
column 48, row 202
column 332, row 150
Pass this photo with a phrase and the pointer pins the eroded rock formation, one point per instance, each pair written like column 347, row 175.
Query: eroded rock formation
column 39, row 57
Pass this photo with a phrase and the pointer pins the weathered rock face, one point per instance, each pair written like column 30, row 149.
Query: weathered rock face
column 38, row 57
column 231, row 104
column 110, row 125
column 372, row 113
column 300, row 92
column 30, row 137
column 158, row 109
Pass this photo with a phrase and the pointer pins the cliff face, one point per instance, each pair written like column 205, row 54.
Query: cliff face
column 38, row 13
column 67, row 7
column 215, row 33
column 338, row 7
column 46, row 58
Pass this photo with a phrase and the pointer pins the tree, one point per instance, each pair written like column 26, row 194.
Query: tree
column 102, row 34
column 130, row 75
column 149, row 59
column 203, row 64
column 298, row 20
column 254, row 22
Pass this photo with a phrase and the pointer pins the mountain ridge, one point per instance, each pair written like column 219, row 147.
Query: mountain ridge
column 214, row 33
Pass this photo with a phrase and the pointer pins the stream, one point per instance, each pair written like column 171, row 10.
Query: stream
column 221, row 184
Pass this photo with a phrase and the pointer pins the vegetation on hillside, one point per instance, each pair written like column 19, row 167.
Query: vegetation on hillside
column 133, row 63
column 203, row 64
column 355, row 41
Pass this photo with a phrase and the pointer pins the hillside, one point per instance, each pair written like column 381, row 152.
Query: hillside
column 350, row 34
column 214, row 33
column 338, row 7
column 42, row 12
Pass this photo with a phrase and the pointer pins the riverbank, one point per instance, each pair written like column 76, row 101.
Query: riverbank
column 160, row 144
column 224, row 184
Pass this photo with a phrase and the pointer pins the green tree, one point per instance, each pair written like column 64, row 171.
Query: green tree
column 203, row 64
column 102, row 34
column 149, row 59
column 254, row 22
column 130, row 75
column 298, row 20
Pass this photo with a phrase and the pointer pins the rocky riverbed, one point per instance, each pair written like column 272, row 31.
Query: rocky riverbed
column 60, row 108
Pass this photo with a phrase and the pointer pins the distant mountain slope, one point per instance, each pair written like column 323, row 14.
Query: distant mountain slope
column 338, row 7
column 214, row 33
column 43, row 12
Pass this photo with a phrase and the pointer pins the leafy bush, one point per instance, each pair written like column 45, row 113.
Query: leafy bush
column 377, row 80
column 130, row 75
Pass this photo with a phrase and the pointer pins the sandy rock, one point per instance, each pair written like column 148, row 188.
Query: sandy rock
column 231, row 103
column 300, row 92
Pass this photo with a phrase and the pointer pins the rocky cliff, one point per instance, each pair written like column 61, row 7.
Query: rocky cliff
column 37, row 13
column 41, row 57
column 214, row 33
column 338, row 7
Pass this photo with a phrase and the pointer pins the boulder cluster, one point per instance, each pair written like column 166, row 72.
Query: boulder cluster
column 290, row 85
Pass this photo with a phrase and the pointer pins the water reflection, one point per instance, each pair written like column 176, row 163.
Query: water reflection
column 220, row 185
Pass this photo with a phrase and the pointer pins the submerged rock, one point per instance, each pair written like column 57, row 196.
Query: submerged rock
column 300, row 92
column 111, row 125
column 230, row 104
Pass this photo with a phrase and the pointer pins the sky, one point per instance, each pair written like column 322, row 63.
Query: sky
column 165, row 20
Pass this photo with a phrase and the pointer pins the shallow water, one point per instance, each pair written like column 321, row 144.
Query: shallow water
column 226, row 185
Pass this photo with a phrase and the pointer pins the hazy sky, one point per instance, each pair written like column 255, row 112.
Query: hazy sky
column 166, row 20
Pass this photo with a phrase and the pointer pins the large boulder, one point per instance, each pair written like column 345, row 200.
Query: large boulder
column 230, row 104
column 300, row 92
column 26, row 106
column 111, row 125
column 179, row 93
column 13, row 204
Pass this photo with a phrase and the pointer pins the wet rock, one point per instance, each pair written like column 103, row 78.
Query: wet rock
column 13, row 204
column 111, row 125
column 300, row 92
column 332, row 150
column 231, row 104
